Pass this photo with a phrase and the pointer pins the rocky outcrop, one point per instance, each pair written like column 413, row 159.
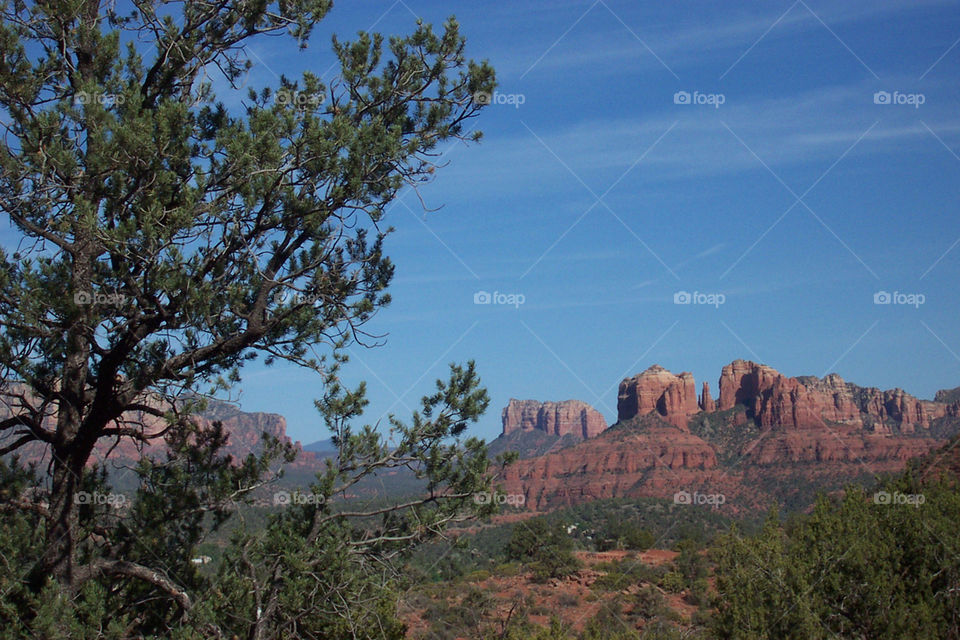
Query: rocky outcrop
column 948, row 396
column 825, row 447
column 706, row 400
column 743, row 382
column 247, row 429
column 896, row 406
column 570, row 417
column 775, row 401
column 656, row 390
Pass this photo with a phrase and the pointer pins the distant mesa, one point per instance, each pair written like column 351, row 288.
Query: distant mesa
column 567, row 418
column 323, row 448
column 765, row 436
column 245, row 432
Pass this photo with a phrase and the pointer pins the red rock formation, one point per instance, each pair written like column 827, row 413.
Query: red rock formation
column 706, row 400
column 555, row 418
column 653, row 461
column 776, row 401
column 792, row 433
column 824, row 447
column 656, row 390
column 742, row 382
column 909, row 412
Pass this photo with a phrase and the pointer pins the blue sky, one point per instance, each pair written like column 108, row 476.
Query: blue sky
column 600, row 197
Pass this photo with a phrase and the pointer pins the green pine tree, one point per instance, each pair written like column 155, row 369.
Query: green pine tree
column 166, row 242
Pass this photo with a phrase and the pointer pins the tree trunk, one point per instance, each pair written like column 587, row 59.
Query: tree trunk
column 71, row 448
column 59, row 554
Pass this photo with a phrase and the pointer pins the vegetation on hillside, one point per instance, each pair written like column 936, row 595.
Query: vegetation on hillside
column 876, row 562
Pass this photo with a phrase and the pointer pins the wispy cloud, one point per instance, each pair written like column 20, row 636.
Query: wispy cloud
column 707, row 36
column 814, row 126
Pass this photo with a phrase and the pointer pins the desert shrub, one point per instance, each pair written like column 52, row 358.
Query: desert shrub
column 673, row 582
column 624, row 573
column 546, row 548
column 609, row 623
column 852, row 569
column 477, row 576
column 648, row 603
column 660, row 630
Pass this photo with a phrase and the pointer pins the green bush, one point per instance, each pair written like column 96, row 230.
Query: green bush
column 477, row 576
column 853, row 569
column 648, row 603
column 568, row 600
column 546, row 547
column 627, row 572
column 674, row 582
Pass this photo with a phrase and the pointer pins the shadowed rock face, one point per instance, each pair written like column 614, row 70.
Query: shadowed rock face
column 778, row 402
column 656, row 390
column 570, row 417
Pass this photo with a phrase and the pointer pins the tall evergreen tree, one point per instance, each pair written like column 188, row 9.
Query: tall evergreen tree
column 165, row 242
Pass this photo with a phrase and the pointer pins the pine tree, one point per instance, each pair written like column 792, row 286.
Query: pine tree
column 166, row 241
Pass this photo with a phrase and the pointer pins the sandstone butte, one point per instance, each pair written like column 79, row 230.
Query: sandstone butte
column 570, row 417
column 763, row 426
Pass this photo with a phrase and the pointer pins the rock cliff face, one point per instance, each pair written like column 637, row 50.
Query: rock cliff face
column 771, row 399
column 570, row 417
column 656, row 390
column 778, row 402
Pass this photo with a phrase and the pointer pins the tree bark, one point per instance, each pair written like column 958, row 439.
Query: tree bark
column 70, row 452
